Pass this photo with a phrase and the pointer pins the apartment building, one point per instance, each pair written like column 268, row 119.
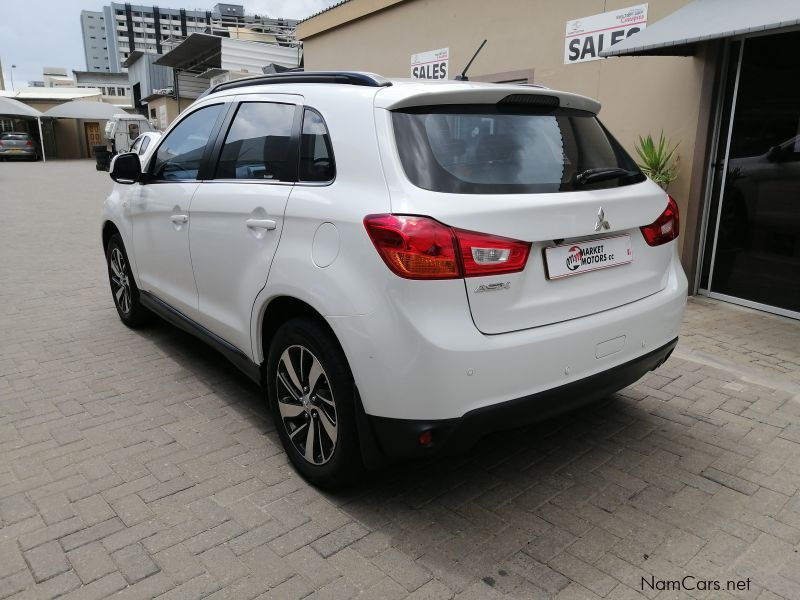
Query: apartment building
column 114, row 87
column 56, row 77
column 129, row 28
column 95, row 45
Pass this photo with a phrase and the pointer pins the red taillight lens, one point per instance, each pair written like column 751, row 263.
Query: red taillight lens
column 414, row 247
column 29, row 143
column 417, row 247
column 665, row 228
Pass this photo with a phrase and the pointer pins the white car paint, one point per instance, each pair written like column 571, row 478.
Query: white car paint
column 417, row 349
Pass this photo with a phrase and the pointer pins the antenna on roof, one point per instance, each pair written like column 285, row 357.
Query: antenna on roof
column 463, row 76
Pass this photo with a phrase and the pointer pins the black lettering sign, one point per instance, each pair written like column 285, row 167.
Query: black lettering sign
column 588, row 48
column 574, row 49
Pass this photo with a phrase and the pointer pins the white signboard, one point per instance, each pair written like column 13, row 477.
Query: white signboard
column 591, row 255
column 586, row 37
column 430, row 65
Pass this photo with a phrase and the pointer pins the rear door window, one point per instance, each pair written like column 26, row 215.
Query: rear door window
column 494, row 149
column 258, row 144
column 316, row 152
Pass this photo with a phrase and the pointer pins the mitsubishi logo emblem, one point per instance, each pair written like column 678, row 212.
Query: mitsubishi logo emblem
column 601, row 221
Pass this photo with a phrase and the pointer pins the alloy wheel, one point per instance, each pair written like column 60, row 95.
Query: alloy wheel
column 120, row 284
column 306, row 404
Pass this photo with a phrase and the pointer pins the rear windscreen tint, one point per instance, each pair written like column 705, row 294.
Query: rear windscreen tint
column 17, row 137
column 490, row 149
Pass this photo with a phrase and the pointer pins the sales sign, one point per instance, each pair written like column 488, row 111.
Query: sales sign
column 587, row 37
column 430, row 65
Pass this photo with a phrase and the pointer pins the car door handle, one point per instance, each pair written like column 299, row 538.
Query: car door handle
column 179, row 219
column 261, row 223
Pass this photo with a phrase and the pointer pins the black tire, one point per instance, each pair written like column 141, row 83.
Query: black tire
column 335, row 386
column 130, row 309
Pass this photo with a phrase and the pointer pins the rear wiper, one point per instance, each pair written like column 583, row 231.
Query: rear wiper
column 601, row 174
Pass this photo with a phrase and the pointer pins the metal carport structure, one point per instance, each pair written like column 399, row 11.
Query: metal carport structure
column 81, row 109
column 15, row 108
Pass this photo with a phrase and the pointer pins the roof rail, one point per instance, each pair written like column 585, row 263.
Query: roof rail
column 298, row 76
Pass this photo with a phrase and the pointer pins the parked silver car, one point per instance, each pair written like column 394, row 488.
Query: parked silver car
column 15, row 144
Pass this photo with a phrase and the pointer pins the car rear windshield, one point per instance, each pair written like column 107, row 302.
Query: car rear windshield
column 18, row 137
column 497, row 149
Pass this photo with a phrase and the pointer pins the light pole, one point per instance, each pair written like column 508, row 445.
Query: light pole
column 12, row 76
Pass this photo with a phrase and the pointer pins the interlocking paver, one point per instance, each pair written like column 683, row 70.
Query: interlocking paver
column 91, row 562
column 16, row 508
column 338, row 539
column 134, row 563
column 267, row 565
column 11, row 559
column 140, row 462
column 46, row 561
column 92, row 533
column 223, row 565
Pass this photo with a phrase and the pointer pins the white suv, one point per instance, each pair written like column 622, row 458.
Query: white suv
column 404, row 266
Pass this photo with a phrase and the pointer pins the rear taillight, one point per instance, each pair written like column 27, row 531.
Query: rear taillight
column 29, row 143
column 665, row 228
column 417, row 247
column 484, row 254
column 414, row 247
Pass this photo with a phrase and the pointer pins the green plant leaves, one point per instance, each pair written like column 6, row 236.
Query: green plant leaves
column 658, row 160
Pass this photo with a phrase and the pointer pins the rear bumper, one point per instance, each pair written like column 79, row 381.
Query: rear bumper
column 399, row 438
column 22, row 153
column 419, row 356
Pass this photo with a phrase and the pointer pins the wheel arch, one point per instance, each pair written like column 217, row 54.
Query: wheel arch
column 272, row 315
column 276, row 312
column 109, row 229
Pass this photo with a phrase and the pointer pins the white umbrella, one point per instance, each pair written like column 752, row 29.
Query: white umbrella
column 11, row 107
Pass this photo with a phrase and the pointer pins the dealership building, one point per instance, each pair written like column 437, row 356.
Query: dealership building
column 721, row 78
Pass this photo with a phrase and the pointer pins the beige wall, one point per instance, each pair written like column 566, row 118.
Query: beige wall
column 639, row 95
column 172, row 107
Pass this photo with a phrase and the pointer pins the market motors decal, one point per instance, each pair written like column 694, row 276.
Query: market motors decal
column 579, row 257
column 573, row 259
column 588, row 36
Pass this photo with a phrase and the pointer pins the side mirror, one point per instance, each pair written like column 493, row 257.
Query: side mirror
column 126, row 168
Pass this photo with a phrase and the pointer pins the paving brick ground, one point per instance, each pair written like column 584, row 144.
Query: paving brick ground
column 141, row 465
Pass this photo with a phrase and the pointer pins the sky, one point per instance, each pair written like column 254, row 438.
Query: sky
column 38, row 33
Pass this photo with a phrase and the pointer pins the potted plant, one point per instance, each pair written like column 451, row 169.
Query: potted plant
column 658, row 160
